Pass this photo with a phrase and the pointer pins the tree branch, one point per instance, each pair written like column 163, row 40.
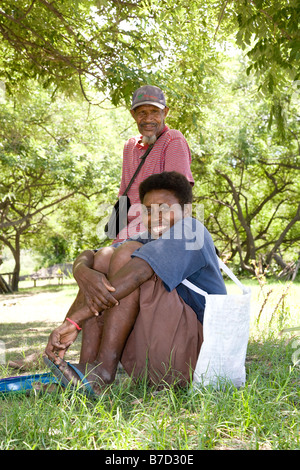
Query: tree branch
column 242, row 220
column 283, row 234
column 29, row 216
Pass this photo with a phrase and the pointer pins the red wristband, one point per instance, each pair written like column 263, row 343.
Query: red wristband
column 74, row 323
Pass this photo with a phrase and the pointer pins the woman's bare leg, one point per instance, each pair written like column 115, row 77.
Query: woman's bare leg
column 92, row 328
column 106, row 342
column 118, row 321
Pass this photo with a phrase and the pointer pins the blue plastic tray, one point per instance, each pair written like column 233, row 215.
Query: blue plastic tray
column 25, row 382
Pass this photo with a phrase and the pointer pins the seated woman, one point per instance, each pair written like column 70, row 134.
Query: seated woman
column 135, row 310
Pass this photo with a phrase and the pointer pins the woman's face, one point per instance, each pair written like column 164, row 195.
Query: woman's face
column 161, row 210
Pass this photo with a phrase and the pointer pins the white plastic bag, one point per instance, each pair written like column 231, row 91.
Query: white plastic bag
column 226, row 334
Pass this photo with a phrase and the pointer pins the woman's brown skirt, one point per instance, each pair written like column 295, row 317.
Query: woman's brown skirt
column 166, row 339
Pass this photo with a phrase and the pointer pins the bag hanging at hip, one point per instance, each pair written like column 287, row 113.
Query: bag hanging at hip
column 119, row 216
column 226, row 326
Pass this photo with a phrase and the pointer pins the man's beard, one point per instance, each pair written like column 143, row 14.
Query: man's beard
column 149, row 139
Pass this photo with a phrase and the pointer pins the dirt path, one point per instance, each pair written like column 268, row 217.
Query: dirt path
column 48, row 307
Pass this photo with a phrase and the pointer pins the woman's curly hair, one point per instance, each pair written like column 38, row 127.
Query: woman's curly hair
column 171, row 181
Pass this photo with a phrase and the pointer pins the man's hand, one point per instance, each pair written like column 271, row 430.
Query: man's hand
column 60, row 340
column 96, row 289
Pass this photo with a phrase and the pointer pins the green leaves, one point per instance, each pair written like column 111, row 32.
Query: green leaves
column 246, row 171
column 270, row 31
column 117, row 46
column 51, row 152
column 113, row 46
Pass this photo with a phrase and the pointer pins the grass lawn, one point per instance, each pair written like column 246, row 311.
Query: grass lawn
column 263, row 415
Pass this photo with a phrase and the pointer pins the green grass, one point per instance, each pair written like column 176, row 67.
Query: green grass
column 262, row 415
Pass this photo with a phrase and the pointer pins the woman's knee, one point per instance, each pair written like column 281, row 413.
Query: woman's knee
column 102, row 259
column 123, row 253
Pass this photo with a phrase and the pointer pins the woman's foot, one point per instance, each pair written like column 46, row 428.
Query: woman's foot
column 94, row 375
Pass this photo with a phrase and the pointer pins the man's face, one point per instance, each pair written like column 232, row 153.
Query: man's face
column 150, row 119
column 161, row 210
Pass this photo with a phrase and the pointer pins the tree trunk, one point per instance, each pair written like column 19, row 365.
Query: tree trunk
column 4, row 287
column 17, row 258
column 246, row 262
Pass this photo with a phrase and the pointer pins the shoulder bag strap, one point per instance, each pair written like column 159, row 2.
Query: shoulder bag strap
column 143, row 158
column 232, row 276
column 229, row 273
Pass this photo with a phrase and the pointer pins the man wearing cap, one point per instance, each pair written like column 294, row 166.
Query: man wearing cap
column 170, row 150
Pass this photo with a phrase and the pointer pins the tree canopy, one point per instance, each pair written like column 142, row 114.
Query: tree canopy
column 116, row 45
column 51, row 153
column 248, row 175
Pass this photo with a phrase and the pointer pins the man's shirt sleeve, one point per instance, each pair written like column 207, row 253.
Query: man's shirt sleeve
column 178, row 157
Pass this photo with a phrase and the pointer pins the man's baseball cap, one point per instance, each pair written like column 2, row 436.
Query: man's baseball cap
column 148, row 94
